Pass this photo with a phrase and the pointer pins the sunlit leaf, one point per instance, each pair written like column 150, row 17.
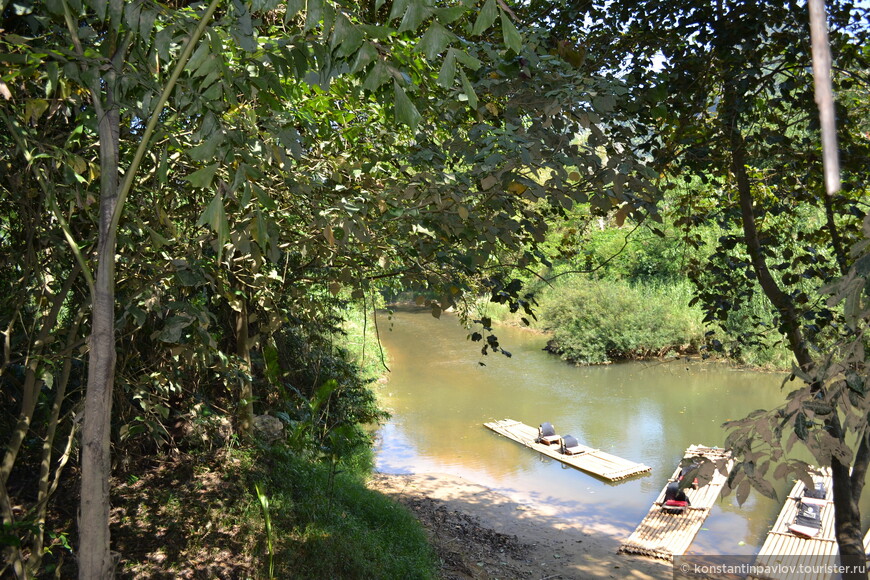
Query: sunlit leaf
column 485, row 18
column 415, row 14
column 434, row 40
column 512, row 37
column 468, row 90
column 406, row 112
column 203, row 177
column 447, row 74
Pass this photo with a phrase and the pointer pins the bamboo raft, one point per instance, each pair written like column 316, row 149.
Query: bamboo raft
column 789, row 551
column 590, row 460
column 665, row 535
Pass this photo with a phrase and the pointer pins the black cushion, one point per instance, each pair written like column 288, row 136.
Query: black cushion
column 547, row 430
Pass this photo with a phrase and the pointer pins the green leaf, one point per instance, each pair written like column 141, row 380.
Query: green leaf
column 366, row 54
column 203, row 177
column 198, row 58
column 510, row 33
column 206, row 150
column 243, row 26
column 468, row 90
column 398, row 9
column 146, row 24
column 376, row 77
column 603, row 103
column 406, row 112
column 99, row 7
column 434, row 41
column 51, row 84
column 163, row 167
column 487, row 16
column 131, row 14
column 172, row 328
column 451, row 13
column 468, row 60
column 416, row 13
column 314, row 14
column 260, row 231
column 216, row 218
column 447, row 74
column 292, row 9
column 346, row 36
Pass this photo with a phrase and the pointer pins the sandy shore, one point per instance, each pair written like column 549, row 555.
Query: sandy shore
column 481, row 534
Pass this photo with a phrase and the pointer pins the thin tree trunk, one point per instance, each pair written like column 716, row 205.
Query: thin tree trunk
column 243, row 349
column 45, row 480
column 847, row 515
column 32, row 384
column 95, row 560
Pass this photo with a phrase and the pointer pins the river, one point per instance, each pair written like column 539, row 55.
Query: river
column 440, row 395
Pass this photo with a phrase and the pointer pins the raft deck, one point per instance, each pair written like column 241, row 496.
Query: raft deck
column 783, row 552
column 665, row 535
column 590, row 460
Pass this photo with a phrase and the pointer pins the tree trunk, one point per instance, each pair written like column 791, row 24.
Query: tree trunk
column 95, row 559
column 847, row 515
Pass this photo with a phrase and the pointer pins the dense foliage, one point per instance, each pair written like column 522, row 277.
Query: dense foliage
column 199, row 183
column 727, row 95
column 188, row 189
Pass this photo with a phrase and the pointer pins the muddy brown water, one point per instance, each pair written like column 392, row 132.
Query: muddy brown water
column 650, row 412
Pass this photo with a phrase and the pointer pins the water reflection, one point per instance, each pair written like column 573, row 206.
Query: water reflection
column 440, row 396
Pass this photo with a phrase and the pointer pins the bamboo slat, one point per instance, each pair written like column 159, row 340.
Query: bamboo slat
column 591, row 460
column 784, row 554
column 665, row 535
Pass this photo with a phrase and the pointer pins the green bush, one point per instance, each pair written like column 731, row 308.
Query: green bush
column 600, row 321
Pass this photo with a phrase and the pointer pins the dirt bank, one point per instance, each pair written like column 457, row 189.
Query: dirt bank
column 481, row 534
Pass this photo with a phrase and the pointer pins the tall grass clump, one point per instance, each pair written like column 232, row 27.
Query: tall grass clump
column 601, row 321
column 330, row 525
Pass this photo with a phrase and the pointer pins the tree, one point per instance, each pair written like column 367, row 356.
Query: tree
column 239, row 158
column 726, row 96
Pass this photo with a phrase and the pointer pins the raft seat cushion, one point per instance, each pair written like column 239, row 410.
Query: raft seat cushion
column 808, row 522
column 675, row 506
column 570, row 446
column 815, row 495
column 547, row 434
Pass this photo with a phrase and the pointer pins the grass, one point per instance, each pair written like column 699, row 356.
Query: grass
column 342, row 530
column 213, row 521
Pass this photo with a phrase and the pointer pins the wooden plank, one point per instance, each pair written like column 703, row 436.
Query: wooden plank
column 783, row 551
column 665, row 535
column 590, row 460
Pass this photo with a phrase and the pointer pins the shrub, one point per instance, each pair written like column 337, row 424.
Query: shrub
column 600, row 321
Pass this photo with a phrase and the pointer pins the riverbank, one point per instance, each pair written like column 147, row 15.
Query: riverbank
column 481, row 534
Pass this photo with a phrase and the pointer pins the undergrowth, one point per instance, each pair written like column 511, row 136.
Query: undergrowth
column 207, row 519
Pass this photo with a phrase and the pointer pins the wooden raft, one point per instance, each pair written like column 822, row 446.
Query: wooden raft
column 665, row 535
column 589, row 460
column 783, row 547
